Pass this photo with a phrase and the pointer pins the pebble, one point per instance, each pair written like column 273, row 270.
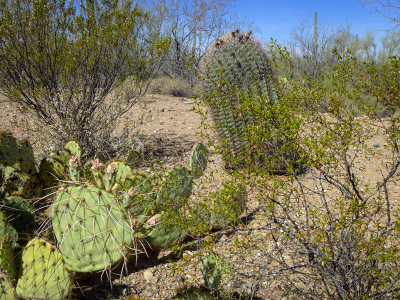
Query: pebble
column 148, row 275
column 377, row 145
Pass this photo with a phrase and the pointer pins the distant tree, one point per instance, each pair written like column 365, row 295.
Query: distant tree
column 388, row 8
column 311, row 44
column 390, row 46
column 368, row 47
column 69, row 65
column 192, row 26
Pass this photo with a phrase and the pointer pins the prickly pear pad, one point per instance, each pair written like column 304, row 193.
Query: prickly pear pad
column 92, row 228
column 164, row 235
column 19, row 212
column 198, row 160
column 132, row 159
column 7, row 290
column 138, row 195
column 175, row 188
column 27, row 159
column 9, row 152
column 73, row 148
column 7, row 261
column 214, row 270
column 49, row 171
column 44, row 275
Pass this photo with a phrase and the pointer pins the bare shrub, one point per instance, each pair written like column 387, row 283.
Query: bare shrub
column 75, row 70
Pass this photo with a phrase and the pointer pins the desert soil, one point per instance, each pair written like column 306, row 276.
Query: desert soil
column 168, row 133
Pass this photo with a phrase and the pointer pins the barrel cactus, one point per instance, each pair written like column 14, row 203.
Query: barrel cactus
column 238, row 81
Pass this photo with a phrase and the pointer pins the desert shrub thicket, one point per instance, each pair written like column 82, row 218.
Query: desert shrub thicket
column 328, row 228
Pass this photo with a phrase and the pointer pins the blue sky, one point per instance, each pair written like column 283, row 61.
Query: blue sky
column 276, row 18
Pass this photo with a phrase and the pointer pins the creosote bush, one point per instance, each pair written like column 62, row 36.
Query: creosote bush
column 75, row 68
column 331, row 232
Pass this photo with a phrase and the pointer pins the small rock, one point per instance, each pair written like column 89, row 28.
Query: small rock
column 153, row 281
column 221, row 236
column 148, row 275
column 162, row 109
column 161, row 122
column 377, row 145
column 149, row 294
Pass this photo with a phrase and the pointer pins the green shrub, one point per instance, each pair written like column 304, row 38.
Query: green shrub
column 334, row 231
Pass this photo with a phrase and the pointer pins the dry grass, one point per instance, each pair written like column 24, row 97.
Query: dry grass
column 177, row 87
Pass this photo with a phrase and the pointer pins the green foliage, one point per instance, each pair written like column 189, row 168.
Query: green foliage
column 331, row 232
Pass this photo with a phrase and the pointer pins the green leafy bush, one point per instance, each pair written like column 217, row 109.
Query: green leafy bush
column 331, row 232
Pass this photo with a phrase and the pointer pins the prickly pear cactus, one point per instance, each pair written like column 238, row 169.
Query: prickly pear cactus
column 73, row 148
column 17, row 181
column 62, row 157
column 133, row 157
column 19, row 212
column 50, row 170
column 44, row 274
column 164, row 234
column 198, row 160
column 214, row 270
column 92, row 228
column 9, row 151
column 7, row 260
column 7, row 289
column 7, row 229
column 175, row 188
column 27, row 159
column 137, row 193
